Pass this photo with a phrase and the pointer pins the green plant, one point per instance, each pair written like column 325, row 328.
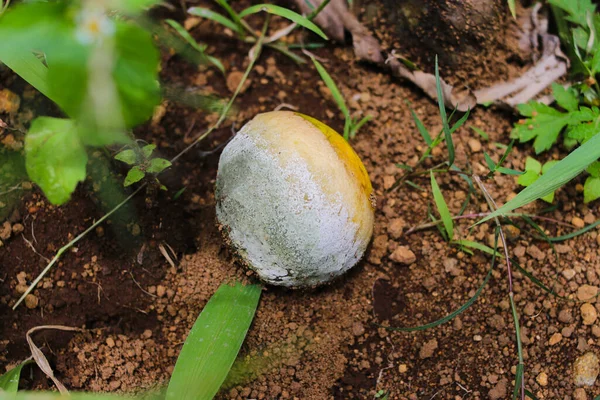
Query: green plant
column 243, row 31
column 142, row 163
column 351, row 125
column 205, row 359
column 579, row 116
column 533, row 170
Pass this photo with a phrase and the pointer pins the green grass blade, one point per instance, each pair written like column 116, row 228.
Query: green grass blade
column 285, row 13
column 204, row 58
column 442, row 107
column 442, row 207
column 213, row 343
column 571, row 235
column 210, row 14
column 422, row 130
column 478, row 246
column 234, row 16
column 9, row 382
column 337, row 95
column 30, row 68
column 453, row 314
column 512, row 7
column 561, row 173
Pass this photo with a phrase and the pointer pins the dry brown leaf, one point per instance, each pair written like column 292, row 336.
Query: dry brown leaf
column 39, row 357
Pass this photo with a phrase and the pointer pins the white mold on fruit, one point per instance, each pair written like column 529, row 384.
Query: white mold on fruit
column 294, row 200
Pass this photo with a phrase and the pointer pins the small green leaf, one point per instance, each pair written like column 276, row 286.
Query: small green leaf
column 127, row 156
column 578, row 10
column 213, row 343
column 158, row 165
column 134, row 175
column 204, row 58
column 565, row 97
column 594, row 169
column 148, row 149
column 509, row 171
column 481, row 133
column 591, row 189
column 512, row 8
column 285, row 13
column 442, row 207
column 9, row 382
column 565, row 170
column 442, row 107
column 528, row 178
column 491, row 164
column 548, row 165
column 531, row 164
column 55, row 158
column 209, row 14
column 422, row 130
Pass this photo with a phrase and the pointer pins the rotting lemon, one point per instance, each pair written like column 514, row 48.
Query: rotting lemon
column 294, row 200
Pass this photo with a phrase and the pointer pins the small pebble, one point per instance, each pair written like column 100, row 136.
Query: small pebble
column 578, row 222
column 586, row 369
column 579, row 394
column 402, row 368
column 31, row 301
column 586, row 292
column 110, row 342
column 565, row 316
column 557, row 337
column 358, row 329
column 403, row 255
column 542, row 379
column 588, row 314
column 474, row 145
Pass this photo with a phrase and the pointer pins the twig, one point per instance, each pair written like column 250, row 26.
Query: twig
column 140, row 286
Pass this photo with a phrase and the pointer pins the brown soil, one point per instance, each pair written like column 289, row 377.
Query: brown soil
column 136, row 308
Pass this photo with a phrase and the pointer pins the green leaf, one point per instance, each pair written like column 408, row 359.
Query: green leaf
column 134, row 175
column 55, row 158
column 491, row 164
column 285, row 13
column 509, row 171
column 204, row 58
column 337, row 95
column 594, row 169
column 9, row 382
column 481, row 133
column 561, row 173
column 209, row 14
column 528, row 178
column 548, row 165
column 442, row 107
column 234, row 16
column 136, row 73
column 158, row 165
column 565, row 97
column 30, row 68
column 584, row 131
column 591, row 189
column 442, row 207
column 544, row 125
column 213, row 343
column 531, row 164
column 422, row 130
column 148, row 149
column 512, row 8
column 578, row 10
column 127, row 156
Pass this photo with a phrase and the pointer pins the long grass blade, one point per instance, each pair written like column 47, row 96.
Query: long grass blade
column 285, row 13
column 210, row 14
column 30, row 68
column 213, row 343
column 561, row 173
column 422, row 130
column 442, row 107
column 442, row 207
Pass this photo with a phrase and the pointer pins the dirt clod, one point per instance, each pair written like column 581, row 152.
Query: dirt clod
column 403, row 255
column 586, row 369
column 588, row 314
column 428, row 349
column 587, row 292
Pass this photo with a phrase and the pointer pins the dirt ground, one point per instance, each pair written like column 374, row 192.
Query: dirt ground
column 136, row 308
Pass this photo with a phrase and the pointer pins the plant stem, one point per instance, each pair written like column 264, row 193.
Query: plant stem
column 492, row 204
